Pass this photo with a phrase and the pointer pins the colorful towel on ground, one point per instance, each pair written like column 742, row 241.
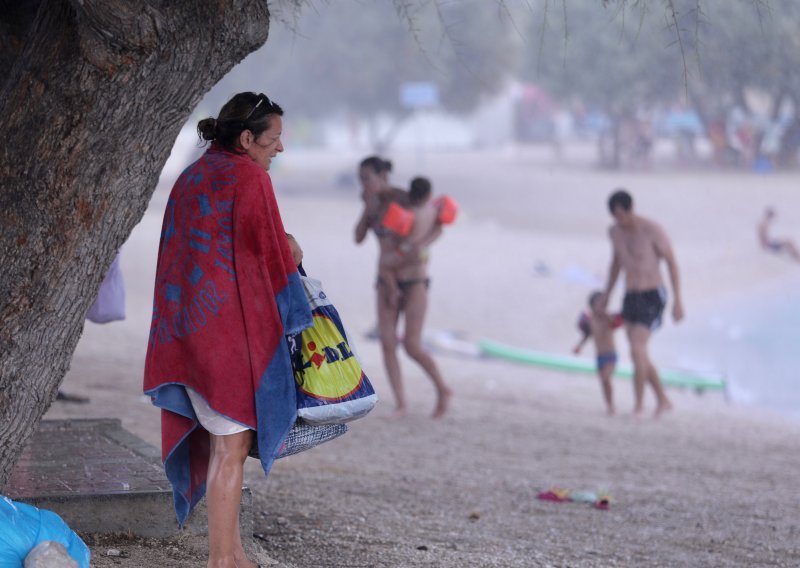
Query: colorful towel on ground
column 227, row 293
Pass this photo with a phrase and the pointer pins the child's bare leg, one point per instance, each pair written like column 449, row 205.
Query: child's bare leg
column 605, row 381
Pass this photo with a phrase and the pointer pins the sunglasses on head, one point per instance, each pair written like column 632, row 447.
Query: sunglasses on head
column 261, row 98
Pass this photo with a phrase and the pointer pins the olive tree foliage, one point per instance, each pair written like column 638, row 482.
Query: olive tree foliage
column 613, row 59
column 351, row 58
column 619, row 56
column 92, row 96
column 748, row 59
column 94, row 92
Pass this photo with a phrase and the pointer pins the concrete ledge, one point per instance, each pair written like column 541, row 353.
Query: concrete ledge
column 102, row 479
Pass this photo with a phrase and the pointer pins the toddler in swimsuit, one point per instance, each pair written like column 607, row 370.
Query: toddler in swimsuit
column 424, row 229
column 600, row 325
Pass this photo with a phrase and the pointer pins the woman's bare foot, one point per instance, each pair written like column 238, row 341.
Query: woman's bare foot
column 243, row 562
column 665, row 406
column 399, row 412
column 443, row 403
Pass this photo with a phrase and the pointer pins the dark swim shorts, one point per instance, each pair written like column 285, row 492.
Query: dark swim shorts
column 644, row 308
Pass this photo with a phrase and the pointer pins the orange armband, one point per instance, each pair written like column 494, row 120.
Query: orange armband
column 448, row 208
column 398, row 220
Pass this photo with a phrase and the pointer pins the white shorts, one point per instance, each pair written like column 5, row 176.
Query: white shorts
column 212, row 420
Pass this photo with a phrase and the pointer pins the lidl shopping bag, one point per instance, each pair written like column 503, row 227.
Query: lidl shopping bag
column 331, row 385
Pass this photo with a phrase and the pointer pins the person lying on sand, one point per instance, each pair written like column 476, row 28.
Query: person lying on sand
column 778, row 246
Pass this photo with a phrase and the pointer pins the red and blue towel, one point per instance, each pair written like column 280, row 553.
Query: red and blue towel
column 227, row 293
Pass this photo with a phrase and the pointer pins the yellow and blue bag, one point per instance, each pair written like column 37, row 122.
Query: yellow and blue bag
column 332, row 388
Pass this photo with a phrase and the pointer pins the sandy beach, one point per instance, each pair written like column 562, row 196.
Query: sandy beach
column 710, row 484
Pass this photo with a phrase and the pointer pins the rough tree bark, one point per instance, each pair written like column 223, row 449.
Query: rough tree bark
column 92, row 96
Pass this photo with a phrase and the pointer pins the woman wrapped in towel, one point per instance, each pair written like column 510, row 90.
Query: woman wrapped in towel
column 227, row 292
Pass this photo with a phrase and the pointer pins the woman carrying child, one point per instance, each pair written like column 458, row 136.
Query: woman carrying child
column 402, row 284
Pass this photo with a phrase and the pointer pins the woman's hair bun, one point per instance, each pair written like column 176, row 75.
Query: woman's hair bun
column 207, row 129
column 377, row 164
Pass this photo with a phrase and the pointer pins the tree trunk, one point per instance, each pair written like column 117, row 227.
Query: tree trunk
column 95, row 94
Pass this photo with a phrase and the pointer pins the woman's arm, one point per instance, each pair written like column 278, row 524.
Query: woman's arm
column 361, row 227
column 424, row 234
column 435, row 232
column 297, row 252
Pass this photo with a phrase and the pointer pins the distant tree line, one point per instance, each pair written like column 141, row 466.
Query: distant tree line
column 615, row 57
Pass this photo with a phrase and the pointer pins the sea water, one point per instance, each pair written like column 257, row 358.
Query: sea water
column 752, row 342
column 763, row 353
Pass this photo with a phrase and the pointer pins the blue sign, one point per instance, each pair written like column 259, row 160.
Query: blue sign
column 419, row 95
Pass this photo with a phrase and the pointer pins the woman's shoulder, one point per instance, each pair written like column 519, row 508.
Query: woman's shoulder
column 248, row 174
column 396, row 195
column 238, row 161
column 245, row 177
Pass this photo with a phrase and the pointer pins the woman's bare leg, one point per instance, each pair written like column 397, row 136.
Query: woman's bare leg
column 415, row 307
column 387, row 333
column 224, row 499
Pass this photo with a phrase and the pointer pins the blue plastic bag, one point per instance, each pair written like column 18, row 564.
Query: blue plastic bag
column 22, row 527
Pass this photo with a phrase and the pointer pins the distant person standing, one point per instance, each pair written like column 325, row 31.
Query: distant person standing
column 771, row 244
column 639, row 245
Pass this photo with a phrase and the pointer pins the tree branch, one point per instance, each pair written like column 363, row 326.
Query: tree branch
column 679, row 39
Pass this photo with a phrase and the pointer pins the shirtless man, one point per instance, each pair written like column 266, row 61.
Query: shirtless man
column 639, row 245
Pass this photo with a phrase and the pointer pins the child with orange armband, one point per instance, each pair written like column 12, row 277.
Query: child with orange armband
column 600, row 325
column 415, row 228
